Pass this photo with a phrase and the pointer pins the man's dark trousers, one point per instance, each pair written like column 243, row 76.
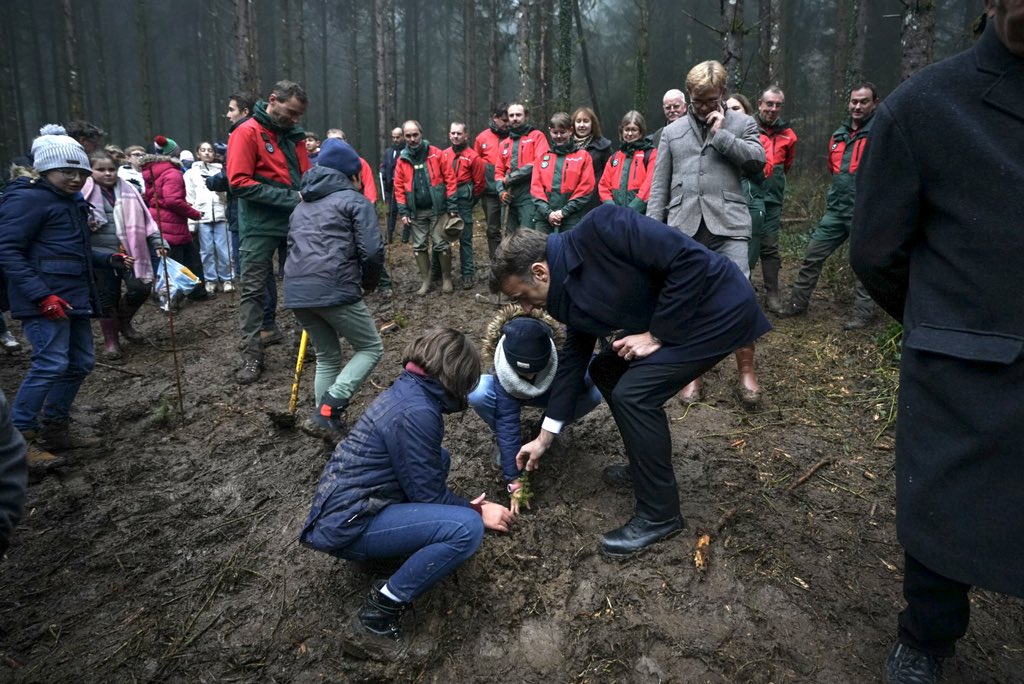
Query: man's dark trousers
column 636, row 395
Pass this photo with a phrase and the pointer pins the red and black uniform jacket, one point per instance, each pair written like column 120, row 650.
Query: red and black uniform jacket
column 519, row 152
column 624, row 181
column 562, row 180
column 488, row 147
column 467, row 170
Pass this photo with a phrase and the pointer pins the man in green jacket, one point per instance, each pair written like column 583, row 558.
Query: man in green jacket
column 845, row 152
column 266, row 159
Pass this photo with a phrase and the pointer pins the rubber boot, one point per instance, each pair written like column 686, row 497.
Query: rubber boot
column 446, row 271
column 125, row 315
column 111, row 345
column 773, row 300
column 692, row 393
column 326, row 422
column 423, row 264
column 748, row 392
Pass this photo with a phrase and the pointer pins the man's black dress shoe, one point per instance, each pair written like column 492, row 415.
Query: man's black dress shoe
column 637, row 535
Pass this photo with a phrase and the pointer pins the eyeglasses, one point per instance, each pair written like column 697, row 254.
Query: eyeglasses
column 672, row 107
column 772, row 105
column 72, row 174
column 706, row 103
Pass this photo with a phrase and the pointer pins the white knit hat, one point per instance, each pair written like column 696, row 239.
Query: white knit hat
column 54, row 149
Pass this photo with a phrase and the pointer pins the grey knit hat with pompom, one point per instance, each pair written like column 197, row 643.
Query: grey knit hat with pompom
column 55, row 149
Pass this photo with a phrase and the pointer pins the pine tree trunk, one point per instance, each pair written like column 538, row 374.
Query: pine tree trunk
column 769, row 46
column 355, row 135
column 643, row 56
column 247, row 46
column 586, row 58
column 546, row 16
column 75, row 105
column 142, row 43
column 565, row 19
column 492, row 56
column 523, row 16
column 732, row 41
column 917, row 36
column 470, row 109
column 380, row 20
column 325, row 65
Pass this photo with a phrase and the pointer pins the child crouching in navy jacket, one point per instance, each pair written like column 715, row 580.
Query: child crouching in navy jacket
column 525, row 351
column 383, row 494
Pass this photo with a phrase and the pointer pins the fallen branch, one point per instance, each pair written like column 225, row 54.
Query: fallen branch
column 119, row 370
column 810, row 473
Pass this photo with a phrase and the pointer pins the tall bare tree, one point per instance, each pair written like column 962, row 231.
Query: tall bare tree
column 492, row 55
column 643, row 54
column 246, row 46
column 469, row 61
column 770, row 58
column 546, row 52
column 382, row 10
column 565, row 41
column 586, row 58
column 732, row 30
column 142, row 45
column 917, row 36
column 75, row 105
column 523, row 48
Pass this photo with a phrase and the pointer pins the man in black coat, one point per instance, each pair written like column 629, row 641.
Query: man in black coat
column 664, row 309
column 937, row 241
column 387, row 172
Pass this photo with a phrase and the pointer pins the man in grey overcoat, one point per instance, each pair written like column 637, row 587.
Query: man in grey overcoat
column 696, row 188
column 937, row 241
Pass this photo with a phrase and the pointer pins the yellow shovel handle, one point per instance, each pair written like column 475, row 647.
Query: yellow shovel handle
column 298, row 372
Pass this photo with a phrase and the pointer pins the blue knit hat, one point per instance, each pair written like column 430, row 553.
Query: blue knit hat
column 339, row 155
column 527, row 344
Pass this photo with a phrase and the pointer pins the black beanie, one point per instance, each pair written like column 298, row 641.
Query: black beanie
column 527, row 344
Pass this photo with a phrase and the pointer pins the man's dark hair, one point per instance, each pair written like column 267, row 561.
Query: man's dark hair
column 499, row 109
column 286, row 90
column 244, row 99
column 861, row 85
column 79, row 130
column 515, row 255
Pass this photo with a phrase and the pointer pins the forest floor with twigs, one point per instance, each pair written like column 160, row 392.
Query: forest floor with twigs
column 170, row 554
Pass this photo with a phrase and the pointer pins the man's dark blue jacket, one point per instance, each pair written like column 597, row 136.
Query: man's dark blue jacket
column 620, row 273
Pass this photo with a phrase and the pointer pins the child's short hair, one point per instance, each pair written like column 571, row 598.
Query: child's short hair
column 447, row 355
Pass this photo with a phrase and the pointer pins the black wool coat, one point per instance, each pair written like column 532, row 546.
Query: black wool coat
column 938, row 241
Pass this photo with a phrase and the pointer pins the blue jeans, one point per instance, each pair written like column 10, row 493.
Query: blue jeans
column 324, row 326
column 62, row 357
column 484, row 401
column 437, row 539
column 213, row 246
column 270, row 297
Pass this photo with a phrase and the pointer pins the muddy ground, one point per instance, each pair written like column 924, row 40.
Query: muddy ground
column 170, row 554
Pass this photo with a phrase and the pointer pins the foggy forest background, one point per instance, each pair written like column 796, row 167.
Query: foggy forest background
column 137, row 68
